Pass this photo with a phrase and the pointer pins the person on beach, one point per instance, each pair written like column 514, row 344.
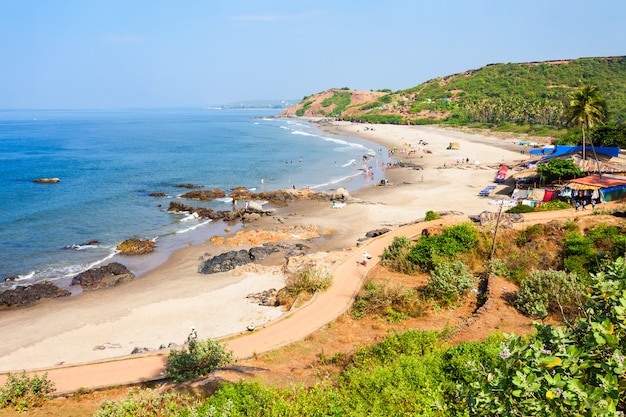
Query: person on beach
column 193, row 336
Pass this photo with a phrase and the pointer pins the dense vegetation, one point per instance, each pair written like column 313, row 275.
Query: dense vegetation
column 574, row 369
column 527, row 97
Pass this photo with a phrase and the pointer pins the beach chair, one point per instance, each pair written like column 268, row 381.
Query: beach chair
column 485, row 192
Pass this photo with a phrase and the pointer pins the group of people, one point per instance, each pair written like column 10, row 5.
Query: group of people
column 582, row 203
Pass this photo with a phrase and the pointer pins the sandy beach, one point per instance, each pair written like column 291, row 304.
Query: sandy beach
column 161, row 306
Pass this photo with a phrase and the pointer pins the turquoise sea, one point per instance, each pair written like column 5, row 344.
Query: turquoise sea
column 108, row 163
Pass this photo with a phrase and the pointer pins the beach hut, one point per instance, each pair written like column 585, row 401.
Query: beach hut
column 603, row 188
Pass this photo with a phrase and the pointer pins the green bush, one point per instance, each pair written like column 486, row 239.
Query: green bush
column 145, row 402
column 576, row 370
column 395, row 256
column 553, row 205
column 430, row 250
column 22, row 391
column 307, row 280
column 195, row 360
column 393, row 301
column 450, row 281
column 431, row 215
column 550, row 292
column 519, row 209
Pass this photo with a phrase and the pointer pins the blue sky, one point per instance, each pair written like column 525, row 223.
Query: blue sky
column 156, row 53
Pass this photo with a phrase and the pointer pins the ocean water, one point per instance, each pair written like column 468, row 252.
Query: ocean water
column 108, row 163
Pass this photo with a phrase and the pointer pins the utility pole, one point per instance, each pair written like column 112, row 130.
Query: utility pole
column 495, row 232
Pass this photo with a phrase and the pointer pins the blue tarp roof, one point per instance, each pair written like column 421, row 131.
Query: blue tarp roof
column 567, row 150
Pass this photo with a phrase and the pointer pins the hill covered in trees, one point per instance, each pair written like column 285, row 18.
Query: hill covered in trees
column 531, row 93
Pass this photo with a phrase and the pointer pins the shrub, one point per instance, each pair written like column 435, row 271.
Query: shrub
column 520, row 208
column 575, row 370
column 431, row 215
column 449, row 281
column 197, row 359
column 395, row 256
column 386, row 299
column 22, row 391
column 553, row 205
column 549, row 292
column 430, row 250
column 145, row 402
column 307, row 280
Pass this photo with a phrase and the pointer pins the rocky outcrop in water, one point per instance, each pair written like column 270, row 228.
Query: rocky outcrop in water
column 248, row 214
column 47, row 180
column 205, row 194
column 103, row 277
column 30, row 294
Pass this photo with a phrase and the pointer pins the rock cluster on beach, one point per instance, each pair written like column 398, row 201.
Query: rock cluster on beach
column 136, row 247
column 25, row 295
column 103, row 277
column 232, row 259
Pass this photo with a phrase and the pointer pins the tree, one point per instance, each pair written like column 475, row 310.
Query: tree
column 559, row 169
column 586, row 109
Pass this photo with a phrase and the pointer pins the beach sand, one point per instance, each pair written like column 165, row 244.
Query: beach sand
column 161, row 306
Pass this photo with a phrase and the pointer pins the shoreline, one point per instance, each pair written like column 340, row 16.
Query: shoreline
column 162, row 304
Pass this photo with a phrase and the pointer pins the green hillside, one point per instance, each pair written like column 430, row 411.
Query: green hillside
column 532, row 93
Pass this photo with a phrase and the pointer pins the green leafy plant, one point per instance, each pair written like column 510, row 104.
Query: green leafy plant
column 430, row 250
column 22, row 391
column 575, row 370
column 431, row 215
column 147, row 402
column 307, row 280
column 395, row 256
column 388, row 299
column 549, row 292
column 450, row 281
column 197, row 359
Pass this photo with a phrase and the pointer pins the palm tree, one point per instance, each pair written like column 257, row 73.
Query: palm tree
column 586, row 109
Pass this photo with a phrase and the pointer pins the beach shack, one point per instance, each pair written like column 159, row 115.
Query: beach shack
column 601, row 188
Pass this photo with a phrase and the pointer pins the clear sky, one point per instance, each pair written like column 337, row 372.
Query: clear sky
column 163, row 53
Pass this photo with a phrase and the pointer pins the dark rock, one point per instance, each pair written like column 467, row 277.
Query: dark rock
column 258, row 253
column 267, row 298
column 205, row 194
column 138, row 350
column 157, row 194
column 104, row 277
column 177, row 206
column 225, row 262
column 30, row 294
column 377, row 232
column 189, row 186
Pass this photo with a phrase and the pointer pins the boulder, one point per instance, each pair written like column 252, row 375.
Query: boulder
column 224, row 262
column 205, row 194
column 159, row 194
column 231, row 260
column 188, row 186
column 30, row 294
column 104, row 277
column 136, row 247
column 432, row 231
column 377, row 232
column 268, row 298
column 47, row 180
column 341, row 194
